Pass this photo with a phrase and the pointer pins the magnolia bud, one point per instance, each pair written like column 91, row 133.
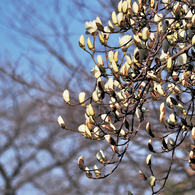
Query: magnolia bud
column 82, row 42
column 82, row 98
column 66, row 96
column 89, row 44
column 61, row 122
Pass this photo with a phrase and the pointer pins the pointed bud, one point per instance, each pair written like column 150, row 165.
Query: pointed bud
column 169, row 64
column 124, row 7
column 110, row 56
column 89, row 44
column 114, row 66
column 162, row 118
column 181, row 108
column 172, row 142
column 90, row 110
column 120, row 6
column 150, row 147
column 148, row 159
column 135, row 8
column 149, row 131
column 99, row 60
column 88, row 173
column 66, row 96
column 82, row 42
column 101, row 157
column 162, row 108
column 165, row 144
column 151, row 180
column 81, row 162
column 109, row 139
column 142, row 175
column 101, row 39
column 105, row 118
column 193, row 40
column 193, row 133
column 114, row 19
column 96, row 171
column 82, row 98
column 145, row 33
column 116, row 56
column 61, row 122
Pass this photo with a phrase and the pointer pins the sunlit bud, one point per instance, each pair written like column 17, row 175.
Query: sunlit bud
column 110, row 56
column 102, row 41
column 95, row 72
column 150, row 147
column 110, row 26
column 165, row 144
column 61, row 122
column 162, row 107
column 99, row 24
column 116, row 56
column 173, row 88
column 114, row 66
column 149, row 131
column 81, row 162
column 91, row 27
column 82, row 41
column 90, row 110
column 128, row 58
column 120, row 19
column 152, row 3
column 95, row 96
column 162, row 118
column 90, row 127
column 160, row 89
column 193, row 21
column 128, row 3
column 109, row 139
column 96, row 133
column 105, row 118
column 165, row 45
column 82, row 128
column 177, row 9
column 193, row 133
column 152, row 37
column 137, row 41
column 120, row 6
column 166, row 2
column 145, row 33
column 124, row 7
column 135, row 7
column 114, row 18
column 89, row 44
column 172, row 118
column 163, row 56
column 101, row 157
column 169, row 64
column 151, row 180
column 66, row 96
column 142, row 175
column 99, row 60
column 181, row 33
column 96, row 171
column 193, row 40
column 148, row 159
column 114, row 148
column 125, row 42
column 157, row 17
column 170, row 101
column 172, row 142
column 191, row 155
column 181, row 108
column 82, row 98
column 88, row 172
column 110, row 83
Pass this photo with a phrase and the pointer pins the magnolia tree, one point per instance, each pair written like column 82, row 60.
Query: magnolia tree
column 159, row 67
